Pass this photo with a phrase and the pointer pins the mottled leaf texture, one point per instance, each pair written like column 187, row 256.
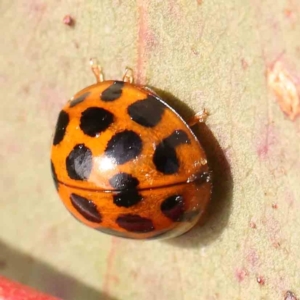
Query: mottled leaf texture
column 238, row 59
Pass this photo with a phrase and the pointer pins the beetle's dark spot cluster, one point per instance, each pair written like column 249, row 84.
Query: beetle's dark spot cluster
column 113, row 92
column 173, row 207
column 135, row 223
column 95, row 120
column 147, row 112
column 165, row 158
column 124, row 146
column 79, row 162
column 178, row 137
column 61, row 126
column 127, row 198
column 127, row 194
column 123, row 181
column 86, row 208
column 79, row 99
column 54, row 176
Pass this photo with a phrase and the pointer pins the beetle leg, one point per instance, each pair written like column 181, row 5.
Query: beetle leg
column 97, row 70
column 199, row 117
column 128, row 75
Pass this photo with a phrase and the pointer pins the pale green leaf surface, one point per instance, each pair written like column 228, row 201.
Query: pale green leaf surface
column 213, row 54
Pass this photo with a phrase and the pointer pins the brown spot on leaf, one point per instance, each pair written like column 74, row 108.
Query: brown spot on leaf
column 252, row 257
column 252, row 224
column 260, row 280
column 240, row 274
column 244, row 64
column 276, row 245
column 266, row 141
column 68, row 20
column 286, row 87
column 3, row 264
column 288, row 12
column 195, row 51
column 290, row 296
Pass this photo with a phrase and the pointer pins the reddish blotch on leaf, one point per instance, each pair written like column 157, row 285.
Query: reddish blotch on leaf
column 68, row 20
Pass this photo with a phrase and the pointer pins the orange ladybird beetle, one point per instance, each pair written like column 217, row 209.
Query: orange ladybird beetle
column 125, row 163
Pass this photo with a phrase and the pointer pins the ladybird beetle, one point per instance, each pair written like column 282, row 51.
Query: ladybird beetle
column 125, row 163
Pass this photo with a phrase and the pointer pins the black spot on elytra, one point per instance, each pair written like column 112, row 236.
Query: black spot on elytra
column 127, row 184
column 86, row 208
column 113, row 92
column 178, row 137
column 123, row 181
column 147, row 112
column 79, row 99
column 54, row 176
column 79, row 162
column 165, row 158
column 127, row 198
column 135, row 223
column 173, row 207
column 95, row 120
column 61, row 126
column 124, row 146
